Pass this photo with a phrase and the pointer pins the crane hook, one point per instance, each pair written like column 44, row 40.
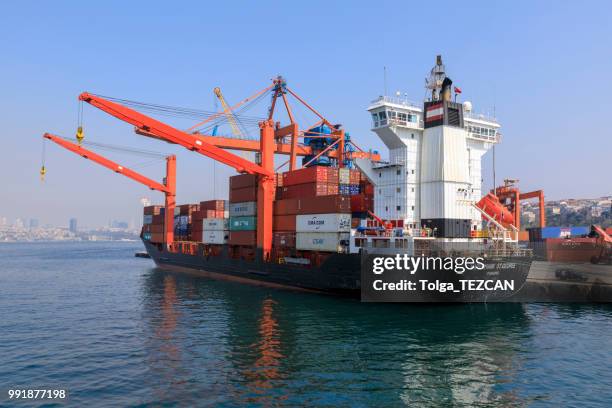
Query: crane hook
column 80, row 135
column 43, row 171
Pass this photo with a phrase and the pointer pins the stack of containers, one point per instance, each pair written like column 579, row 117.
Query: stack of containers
column 243, row 210
column 362, row 203
column 311, row 181
column 182, row 221
column 215, row 231
column 348, row 181
column 153, row 223
column 209, row 210
column 310, row 215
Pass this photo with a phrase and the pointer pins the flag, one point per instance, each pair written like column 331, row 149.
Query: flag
column 457, row 90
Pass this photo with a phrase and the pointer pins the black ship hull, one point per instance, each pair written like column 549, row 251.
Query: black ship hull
column 339, row 274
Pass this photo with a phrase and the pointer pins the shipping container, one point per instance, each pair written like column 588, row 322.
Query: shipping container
column 538, row 234
column 215, row 224
column 313, row 205
column 242, row 238
column 157, row 237
column 283, row 239
column 336, row 222
column 355, row 176
column 243, row 209
column 147, row 219
column 242, row 181
column 322, row 241
column 158, row 219
column 304, row 190
column 362, row 203
column 305, row 175
column 215, row 205
column 332, row 189
column 283, row 223
column 156, row 228
column 187, row 209
column 344, row 176
column 243, row 223
column 215, row 237
column 241, row 195
column 153, row 210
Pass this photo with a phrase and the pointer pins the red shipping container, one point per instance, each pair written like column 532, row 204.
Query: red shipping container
column 304, row 190
column 242, row 238
column 332, row 189
column 242, row 195
column 283, row 239
column 305, row 175
column 361, row 203
column 158, row 219
column 242, row 181
column 196, row 235
column 368, row 189
column 283, row 223
column 278, row 180
column 156, row 228
column 354, row 176
column 332, row 175
column 153, row 209
column 157, row 237
column 187, row 209
column 216, row 205
column 313, row 205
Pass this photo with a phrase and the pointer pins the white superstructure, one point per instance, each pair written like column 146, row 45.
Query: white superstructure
column 434, row 172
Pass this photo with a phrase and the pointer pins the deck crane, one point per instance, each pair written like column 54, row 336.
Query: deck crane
column 168, row 187
column 228, row 113
column 271, row 141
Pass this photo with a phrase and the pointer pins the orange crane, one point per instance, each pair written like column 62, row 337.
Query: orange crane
column 168, row 187
column 271, row 141
column 511, row 197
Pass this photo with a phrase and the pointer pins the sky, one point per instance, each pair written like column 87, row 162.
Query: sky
column 542, row 67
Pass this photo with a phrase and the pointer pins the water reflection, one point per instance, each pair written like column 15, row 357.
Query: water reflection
column 240, row 344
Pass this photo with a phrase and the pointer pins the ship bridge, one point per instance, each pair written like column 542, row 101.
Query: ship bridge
column 400, row 124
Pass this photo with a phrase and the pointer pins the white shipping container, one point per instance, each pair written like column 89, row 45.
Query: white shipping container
column 344, row 176
column 248, row 208
column 335, row 222
column 147, row 219
column 215, row 237
column 177, row 211
column 215, row 224
column 322, row 241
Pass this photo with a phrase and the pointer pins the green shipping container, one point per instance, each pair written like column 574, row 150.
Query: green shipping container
column 243, row 223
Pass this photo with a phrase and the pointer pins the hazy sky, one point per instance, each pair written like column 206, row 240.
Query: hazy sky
column 544, row 66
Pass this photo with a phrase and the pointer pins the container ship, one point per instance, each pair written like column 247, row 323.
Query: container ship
column 309, row 227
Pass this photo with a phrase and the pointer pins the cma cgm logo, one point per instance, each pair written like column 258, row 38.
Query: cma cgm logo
column 318, row 241
column 316, row 222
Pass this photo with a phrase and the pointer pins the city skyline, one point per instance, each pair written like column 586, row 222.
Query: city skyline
column 529, row 70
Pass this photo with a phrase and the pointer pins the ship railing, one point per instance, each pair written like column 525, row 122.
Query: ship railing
column 487, row 138
column 398, row 100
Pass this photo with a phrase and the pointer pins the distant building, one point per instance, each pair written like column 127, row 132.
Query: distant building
column 19, row 223
column 33, row 223
column 73, row 225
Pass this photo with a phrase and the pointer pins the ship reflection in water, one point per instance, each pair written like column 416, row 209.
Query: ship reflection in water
column 219, row 343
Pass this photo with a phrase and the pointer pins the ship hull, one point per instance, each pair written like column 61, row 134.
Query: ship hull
column 340, row 275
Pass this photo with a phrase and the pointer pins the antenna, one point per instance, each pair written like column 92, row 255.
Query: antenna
column 385, row 80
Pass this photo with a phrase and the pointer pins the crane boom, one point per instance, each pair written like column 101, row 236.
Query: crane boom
column 228, row 112
column 168, row 188
column 169, row 133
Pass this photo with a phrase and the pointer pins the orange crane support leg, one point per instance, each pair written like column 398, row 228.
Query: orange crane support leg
column 265, row 192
